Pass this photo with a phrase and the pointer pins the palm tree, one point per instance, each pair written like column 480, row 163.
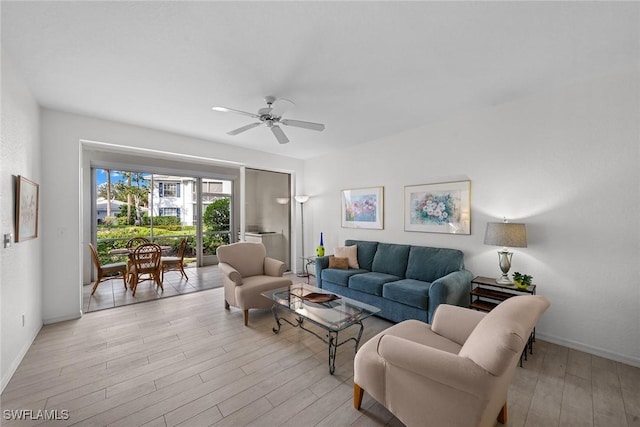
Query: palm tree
column 129, row 198
column 108, row 171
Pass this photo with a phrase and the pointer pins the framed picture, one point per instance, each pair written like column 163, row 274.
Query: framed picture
column 27, row 193
column 438, row 208
column 363, row 208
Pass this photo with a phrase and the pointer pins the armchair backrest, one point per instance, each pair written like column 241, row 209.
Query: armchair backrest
column 246, row 257
column 501, row 335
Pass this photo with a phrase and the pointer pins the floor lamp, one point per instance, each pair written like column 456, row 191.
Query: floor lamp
column 302, row 200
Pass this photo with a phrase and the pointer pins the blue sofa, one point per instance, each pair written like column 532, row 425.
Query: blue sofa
column 404, row 281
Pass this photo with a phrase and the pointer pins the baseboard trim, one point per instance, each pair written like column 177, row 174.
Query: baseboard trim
column 633, row 361
column 18, row 360
column 63, row 318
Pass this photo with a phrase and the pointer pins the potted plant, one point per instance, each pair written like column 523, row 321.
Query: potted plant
column 522, row 281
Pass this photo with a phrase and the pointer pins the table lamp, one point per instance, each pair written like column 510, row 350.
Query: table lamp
column 505, row 234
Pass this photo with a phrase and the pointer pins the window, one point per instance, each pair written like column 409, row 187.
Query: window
column 209, row 188
column 212, row 187
column 169, row 189
column 170, row 212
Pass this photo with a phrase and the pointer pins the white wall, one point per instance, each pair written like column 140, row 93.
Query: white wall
column 65, row 176
column 21, row 264
column 565, row 163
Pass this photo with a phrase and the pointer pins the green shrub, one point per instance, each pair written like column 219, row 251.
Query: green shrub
column 211, row 242
column 217, row 216
column 166, row 220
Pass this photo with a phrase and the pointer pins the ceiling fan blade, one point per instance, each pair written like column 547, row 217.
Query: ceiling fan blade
column 279, row 134
column 301, row 124
column 243, row 128
column 281, row 106
column 231, row 110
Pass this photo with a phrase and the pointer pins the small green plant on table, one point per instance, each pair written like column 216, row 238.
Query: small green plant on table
column 522, row 281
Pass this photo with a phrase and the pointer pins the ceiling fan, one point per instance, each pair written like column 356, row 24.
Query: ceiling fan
column 271, row 115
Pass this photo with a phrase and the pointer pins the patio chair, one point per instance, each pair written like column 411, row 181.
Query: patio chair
column 107, row 271
column 145, row 265
column 176, row 262
column 132, row 244
column 137, row 241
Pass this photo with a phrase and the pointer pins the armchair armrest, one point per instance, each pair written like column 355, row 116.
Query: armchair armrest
column 437, row 365
column 231, row 273
column 273, row 267
column 455, row 323
column 321, row 263
column 451, row 289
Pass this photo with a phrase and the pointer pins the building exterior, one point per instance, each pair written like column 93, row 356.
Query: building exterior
column 177, row 196
column 101, row 208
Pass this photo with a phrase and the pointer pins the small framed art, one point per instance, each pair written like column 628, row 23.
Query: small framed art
column 27, row 193
column 363, row 208
column 438, row 208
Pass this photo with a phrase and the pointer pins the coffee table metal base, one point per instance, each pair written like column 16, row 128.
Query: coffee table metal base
column 331, row 338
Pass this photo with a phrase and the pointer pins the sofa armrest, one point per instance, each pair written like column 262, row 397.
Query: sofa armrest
column 455, row 323
column 454, row 289
column 321, row 263
column 446, row 368
column 231, row 273
column 273, row 267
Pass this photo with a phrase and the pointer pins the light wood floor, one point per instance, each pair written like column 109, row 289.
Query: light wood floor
column 186, row 361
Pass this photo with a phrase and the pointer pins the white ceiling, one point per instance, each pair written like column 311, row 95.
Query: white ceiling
column 364, row 69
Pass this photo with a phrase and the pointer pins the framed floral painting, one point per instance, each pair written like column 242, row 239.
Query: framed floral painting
column 438, row 208
column 27, row 193
column 363, row 208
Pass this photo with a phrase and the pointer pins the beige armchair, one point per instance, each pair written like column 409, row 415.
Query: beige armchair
column 454, row 372
column 248, row 272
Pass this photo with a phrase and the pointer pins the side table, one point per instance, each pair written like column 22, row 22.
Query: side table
column 486, row 294
column 307, row 261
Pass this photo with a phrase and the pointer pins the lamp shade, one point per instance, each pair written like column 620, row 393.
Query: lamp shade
column 282, row 200
column 506, row 234
column 302, row 199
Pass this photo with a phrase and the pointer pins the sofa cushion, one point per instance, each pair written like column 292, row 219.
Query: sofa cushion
column 429, row 264
column 371, row 283
column 340, row 277
column 391, row 259
column 408, row 291
column 366, row 252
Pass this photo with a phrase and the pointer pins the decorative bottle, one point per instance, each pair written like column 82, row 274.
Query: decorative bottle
column 320, row 248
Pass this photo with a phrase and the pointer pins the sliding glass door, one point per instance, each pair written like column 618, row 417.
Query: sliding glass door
column 164, row 209
column 215, row 206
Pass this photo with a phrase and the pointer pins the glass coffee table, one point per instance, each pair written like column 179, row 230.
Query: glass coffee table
column 333, row 313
